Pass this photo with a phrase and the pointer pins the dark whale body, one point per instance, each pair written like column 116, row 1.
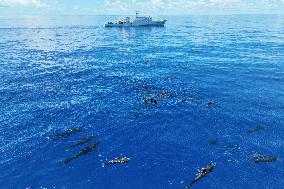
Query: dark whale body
column 84, row 151
column 80, row 142
column 65, row 134
column 203, row 172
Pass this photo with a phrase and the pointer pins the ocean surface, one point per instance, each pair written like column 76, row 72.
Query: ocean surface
column 202, row 90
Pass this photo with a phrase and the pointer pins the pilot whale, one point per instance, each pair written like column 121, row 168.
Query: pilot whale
column 65, row 134
column 202, row 173
column 84, row 151
column 151, row 100
column 117, row 160
column 255, row 129
column 80, row 142
column 260, row 158
column 266, row 159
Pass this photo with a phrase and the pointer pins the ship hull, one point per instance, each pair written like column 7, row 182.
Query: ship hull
column 160, row 23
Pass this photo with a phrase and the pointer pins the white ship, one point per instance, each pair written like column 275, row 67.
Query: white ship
column 139, row 21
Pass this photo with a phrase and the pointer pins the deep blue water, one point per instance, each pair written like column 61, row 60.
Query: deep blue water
column 59, row 73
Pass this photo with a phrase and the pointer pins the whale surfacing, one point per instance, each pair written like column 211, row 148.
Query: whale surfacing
column 202, row 173
column 117, row 161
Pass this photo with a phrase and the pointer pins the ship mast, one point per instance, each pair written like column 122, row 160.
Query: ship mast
column 137, row 13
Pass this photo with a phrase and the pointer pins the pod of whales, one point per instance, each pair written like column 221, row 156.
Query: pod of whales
column 161, row 95
column 84, row 140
